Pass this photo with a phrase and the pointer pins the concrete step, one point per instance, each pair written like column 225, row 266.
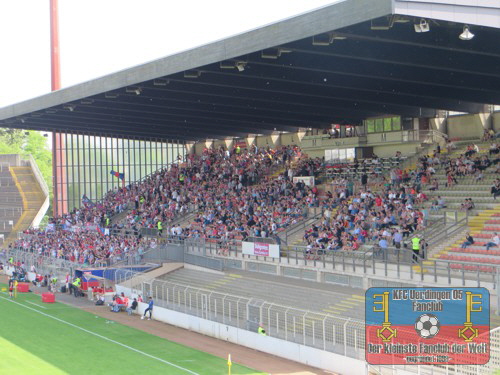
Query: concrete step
column 492, row 253
column 460, row 193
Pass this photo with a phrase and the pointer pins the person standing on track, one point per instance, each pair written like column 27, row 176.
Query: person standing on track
column 11, row 287
column 150, row 309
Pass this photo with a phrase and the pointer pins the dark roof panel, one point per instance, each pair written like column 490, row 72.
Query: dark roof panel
column 323, row 67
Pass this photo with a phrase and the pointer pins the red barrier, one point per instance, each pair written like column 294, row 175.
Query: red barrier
column 23, row 287
column 48, row 297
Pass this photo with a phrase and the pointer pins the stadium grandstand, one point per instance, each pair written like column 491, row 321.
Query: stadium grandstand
column 270, row 178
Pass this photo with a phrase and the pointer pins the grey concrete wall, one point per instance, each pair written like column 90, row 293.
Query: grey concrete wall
column 14, row 160
column 466, row 126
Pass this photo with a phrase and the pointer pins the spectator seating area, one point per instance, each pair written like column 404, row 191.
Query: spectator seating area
column 242, row 193
column 483, row 229
column 354, row 169
column 406, row 199
column 256, row 285
column 230, row 190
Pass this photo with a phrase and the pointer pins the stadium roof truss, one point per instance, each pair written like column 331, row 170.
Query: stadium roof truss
column 338, row 64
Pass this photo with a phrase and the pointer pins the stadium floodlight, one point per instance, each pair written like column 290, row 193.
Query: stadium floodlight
column 240, row 65
column 401, row 19
column 274, row 53
column 111, row 95
column 134, row 90
column 326, row 39
column 161, row 82
column 422, row 26
column 192, row 74
column 384, row 23
column 466, row 34
column 226, row 64
column 322, row 40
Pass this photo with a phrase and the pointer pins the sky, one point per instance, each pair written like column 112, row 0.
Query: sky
column 99, row 37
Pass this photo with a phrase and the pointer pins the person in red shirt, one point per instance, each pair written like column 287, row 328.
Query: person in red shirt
column 117, row 304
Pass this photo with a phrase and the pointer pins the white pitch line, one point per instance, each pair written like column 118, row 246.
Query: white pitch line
column 102, row 337
column 36, row 304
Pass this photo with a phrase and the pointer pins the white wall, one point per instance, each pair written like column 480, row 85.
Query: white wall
column 465, row 126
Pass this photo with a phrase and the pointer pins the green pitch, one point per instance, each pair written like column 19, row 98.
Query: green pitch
column 55, row 339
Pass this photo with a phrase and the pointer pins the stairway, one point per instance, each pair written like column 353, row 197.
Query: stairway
column 481, row 227
column 32, row 197
column 467, row 187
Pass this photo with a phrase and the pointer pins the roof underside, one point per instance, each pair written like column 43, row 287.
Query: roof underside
column 345, row 76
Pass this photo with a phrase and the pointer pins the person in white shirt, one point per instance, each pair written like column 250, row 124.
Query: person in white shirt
column 495, row 241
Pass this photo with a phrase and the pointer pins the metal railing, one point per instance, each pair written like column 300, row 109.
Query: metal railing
column 10, row 211
column 401, row 264
column 43, row 264
column 38, row 174
column 302, row 225
column 336, row 334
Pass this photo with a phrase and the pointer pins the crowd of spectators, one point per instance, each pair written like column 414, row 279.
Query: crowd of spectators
column 83, row 245
column 384, row 213
column 225, row 188
column 233, row 196
column 230, row 192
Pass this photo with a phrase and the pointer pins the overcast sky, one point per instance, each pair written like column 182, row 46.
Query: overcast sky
column 98, row 37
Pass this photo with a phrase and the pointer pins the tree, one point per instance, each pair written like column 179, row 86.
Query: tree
column 36, row 145
column 11, row 141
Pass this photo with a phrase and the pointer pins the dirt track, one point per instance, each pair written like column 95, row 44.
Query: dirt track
column 248, row 357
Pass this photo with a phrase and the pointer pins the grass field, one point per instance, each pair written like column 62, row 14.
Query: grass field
column 55, row 339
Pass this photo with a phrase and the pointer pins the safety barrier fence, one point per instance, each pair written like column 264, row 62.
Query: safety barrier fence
column 327, row 332
column 56, row 266
column 44, row 261
column 10, row 212
column 331, row 333
column 43, row 264
column 401, row 264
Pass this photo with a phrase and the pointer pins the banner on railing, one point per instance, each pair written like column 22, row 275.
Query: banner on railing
column 261, row 249
column 427, row 326
column 308, row 180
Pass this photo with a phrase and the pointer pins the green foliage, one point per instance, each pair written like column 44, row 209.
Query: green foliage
column 36, row 145
column 19, row 141
column 11, row 141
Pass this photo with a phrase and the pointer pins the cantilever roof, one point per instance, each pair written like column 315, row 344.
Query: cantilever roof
column 331, row 65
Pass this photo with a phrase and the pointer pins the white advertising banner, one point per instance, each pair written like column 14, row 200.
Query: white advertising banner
column 308, row 180
column 261, row 249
